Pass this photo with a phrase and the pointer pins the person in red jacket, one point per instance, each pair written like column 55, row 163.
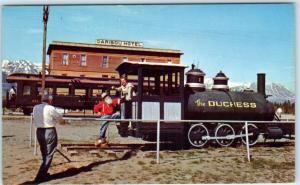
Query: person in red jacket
column 105, row 109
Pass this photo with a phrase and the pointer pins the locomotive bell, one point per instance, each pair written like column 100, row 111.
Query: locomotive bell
column 220, row 82
column 195, row 79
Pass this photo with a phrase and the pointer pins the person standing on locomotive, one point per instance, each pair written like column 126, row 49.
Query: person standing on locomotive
column 106, row 109
column 127, row 93
column 126, row 89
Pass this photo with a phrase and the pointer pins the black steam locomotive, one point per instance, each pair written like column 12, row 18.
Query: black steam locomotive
column 162, row 94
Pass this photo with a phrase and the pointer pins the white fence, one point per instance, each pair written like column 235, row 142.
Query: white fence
column 158, row 128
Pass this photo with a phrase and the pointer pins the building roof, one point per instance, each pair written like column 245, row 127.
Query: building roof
column 131, row 67
column 61, row 79
column 98, row 46
column 135, row 63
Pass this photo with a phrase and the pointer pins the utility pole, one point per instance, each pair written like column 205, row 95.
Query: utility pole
column 45, row 20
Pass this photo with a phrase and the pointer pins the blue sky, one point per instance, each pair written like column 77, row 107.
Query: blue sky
column 239, row 39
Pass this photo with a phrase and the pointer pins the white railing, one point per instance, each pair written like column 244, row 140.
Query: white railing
column 158, row 128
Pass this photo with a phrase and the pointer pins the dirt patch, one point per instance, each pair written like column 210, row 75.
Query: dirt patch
column 208, row 165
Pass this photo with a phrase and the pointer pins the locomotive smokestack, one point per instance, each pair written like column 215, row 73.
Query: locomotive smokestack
column 261, row 83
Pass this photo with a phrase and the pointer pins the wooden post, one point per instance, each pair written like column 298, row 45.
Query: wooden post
column 157, row 84
column 169, row 83
column 140, row 91
column 181, row 87
column 45, row 20
column 164, row 83
column 176, row 80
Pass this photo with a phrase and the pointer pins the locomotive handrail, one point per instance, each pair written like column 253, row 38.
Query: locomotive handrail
column 159, row 121
column 177, row 121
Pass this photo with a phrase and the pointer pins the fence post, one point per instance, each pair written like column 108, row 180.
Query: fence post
column 30, row 130
column 247, row 141
column 157, row 141
column 107, row 135
column 35, row 143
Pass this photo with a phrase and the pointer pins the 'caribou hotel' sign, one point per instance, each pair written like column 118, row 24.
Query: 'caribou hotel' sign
column 119, row 43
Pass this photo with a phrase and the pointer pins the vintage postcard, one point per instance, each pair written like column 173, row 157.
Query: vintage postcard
column 148, row 93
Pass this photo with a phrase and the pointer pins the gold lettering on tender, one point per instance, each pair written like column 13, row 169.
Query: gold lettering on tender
column 219, row 104
column 226, row 104
column 253, row 105
column 239, row 104
column 246, row 104
column 197, row 102
column 211, row 103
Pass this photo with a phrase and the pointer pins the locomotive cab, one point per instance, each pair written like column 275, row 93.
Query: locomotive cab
column 160, row 95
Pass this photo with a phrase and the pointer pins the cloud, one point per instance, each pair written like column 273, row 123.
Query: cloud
column 34, row 31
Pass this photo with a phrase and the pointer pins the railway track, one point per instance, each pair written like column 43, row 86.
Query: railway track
column 118, row 147
column 67, row 150
column 111, row 146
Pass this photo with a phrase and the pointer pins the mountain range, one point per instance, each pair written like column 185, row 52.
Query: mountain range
column 277, row 91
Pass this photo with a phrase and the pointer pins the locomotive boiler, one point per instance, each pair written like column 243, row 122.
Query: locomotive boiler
column 223, row 111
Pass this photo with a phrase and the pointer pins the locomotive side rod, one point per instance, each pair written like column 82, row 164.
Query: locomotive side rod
column 226, row 137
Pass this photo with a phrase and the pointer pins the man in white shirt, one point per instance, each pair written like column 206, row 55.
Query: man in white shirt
column 45, row 117
column 126, row 89
column 127, row 93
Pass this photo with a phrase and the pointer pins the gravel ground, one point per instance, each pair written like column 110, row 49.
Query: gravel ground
column 208, row 165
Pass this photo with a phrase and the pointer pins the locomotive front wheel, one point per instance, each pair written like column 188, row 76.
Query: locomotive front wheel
column 252, row 129
column 196, row 134
column 224, row 135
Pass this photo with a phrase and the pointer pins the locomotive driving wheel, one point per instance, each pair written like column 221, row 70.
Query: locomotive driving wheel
column 252, row 129
column 224, row 135
column 196, row 135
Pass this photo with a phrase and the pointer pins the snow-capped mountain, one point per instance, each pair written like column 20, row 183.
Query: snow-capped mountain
column 235, row 85
column 277, row 91
column 19, row 66
column 16, row 66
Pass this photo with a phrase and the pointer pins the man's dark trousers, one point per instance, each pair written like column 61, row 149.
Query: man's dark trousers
column 47, row 138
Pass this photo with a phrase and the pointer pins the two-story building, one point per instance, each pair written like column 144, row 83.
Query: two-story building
column 101, row 58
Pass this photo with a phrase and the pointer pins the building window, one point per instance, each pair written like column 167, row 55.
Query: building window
column 143, row 60
column 125, row 59
column 62, row 91
column 65, row 59
column 97, row 92
column 80, row 92
column 83, row 60
column 104, row 76
column 26, row 90
column 105, row 62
